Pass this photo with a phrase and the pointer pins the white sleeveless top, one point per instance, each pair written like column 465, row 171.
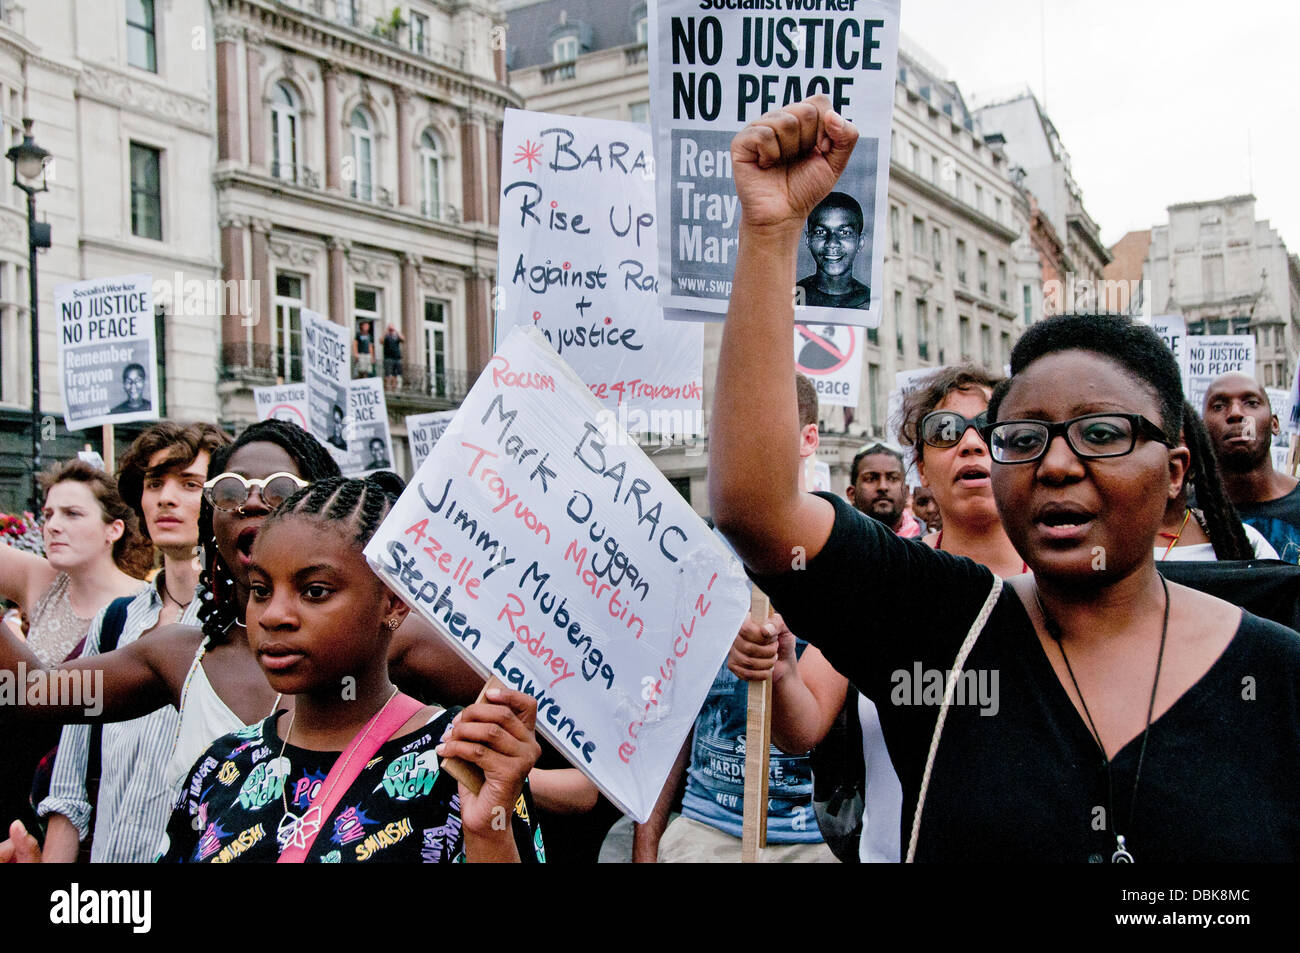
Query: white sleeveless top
column 883, row 808
column 204, row 719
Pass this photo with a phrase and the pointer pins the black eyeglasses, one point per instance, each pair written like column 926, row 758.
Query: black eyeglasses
column 942, row 429
column 1091, row 437
column 229, row 491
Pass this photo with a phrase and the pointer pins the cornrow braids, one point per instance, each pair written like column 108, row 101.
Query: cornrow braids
column 1222, row 521
column 359, row 505
column 218, row 612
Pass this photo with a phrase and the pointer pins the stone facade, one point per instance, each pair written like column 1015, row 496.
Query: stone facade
column 77, row 72
column 943, row 175
column 356, row 176
column 1228, row 273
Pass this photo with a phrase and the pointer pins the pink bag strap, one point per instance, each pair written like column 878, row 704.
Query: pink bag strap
column 347, row 768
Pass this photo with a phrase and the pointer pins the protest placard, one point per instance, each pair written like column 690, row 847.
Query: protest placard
column 282, row 402
column 1291, row 423
column 713, row 70
column 370, row 444
column 1172, row 329
column 328, row 371
column 1209, row 355
column 830, row 355
column 423, row 432
column 108, row 355
column 554, row 555
column 1279, row 399
column 578, row 258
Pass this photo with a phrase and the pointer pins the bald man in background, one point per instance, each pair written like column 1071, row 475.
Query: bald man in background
column 1242, row 424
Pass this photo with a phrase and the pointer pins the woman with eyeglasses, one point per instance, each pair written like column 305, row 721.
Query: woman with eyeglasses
column 953, row 462
column 1088, row 712
column 210, row 674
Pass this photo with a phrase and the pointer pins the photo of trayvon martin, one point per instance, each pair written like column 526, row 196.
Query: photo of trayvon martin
column 835, row 258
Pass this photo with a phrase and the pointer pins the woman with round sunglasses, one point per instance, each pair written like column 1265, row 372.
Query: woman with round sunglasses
column 1084, row 713
column 210, row 674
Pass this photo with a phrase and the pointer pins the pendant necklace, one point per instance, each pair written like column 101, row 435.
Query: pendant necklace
column 294, row 829
column 1122, row 855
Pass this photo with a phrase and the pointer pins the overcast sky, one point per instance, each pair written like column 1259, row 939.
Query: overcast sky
column 1156, row 102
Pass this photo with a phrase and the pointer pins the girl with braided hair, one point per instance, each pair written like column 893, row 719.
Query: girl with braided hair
column 210, row 674
column 1211, row 529
column 319, row 623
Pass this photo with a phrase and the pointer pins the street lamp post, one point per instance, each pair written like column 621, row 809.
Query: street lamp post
column 29, row 175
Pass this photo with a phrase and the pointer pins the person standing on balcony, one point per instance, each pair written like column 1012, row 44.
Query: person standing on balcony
column 363, row 349
column 392, row 357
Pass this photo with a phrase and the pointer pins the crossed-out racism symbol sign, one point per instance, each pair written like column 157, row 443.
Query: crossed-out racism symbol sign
column 823, row 352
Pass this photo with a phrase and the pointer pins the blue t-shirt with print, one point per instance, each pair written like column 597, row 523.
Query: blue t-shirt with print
column 715, row 779
column 1278, row 521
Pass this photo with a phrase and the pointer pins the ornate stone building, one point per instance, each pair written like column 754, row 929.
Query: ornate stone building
column 120, row 93
column 959, row 262
column 358, row 153
column 1228, row 273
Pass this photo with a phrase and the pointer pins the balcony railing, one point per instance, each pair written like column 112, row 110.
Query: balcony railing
column 259, row 363
column 559, row 72
column 421, row 382
column 354, row 15
column 296, row 174
column 440, row 211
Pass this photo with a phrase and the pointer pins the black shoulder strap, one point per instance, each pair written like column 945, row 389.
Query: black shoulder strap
column 114, row 622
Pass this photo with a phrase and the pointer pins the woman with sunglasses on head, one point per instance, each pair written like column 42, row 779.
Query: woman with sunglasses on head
column 210, row 674
column 1094, row 712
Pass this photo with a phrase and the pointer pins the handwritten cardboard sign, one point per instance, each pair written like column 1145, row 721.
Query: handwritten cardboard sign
column 282, row 402
column 578, row 259
column 108, row 359
column 554, row 555
column 712, row 70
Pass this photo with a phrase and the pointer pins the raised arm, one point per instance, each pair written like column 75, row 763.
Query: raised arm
column 807, row 692
column 783, row 164
column 126, row 683
column 23, row 577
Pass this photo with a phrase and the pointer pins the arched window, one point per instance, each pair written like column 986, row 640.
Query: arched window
column 284, row 133
column 363, row 156
column 431, row 174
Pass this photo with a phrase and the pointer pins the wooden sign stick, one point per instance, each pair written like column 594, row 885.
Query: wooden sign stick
column 758, row 738
column 466, row 772
column 110, row 442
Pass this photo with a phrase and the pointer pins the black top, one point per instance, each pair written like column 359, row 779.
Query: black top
column 1018, row 776
column 392, row 347
column 364, row 341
